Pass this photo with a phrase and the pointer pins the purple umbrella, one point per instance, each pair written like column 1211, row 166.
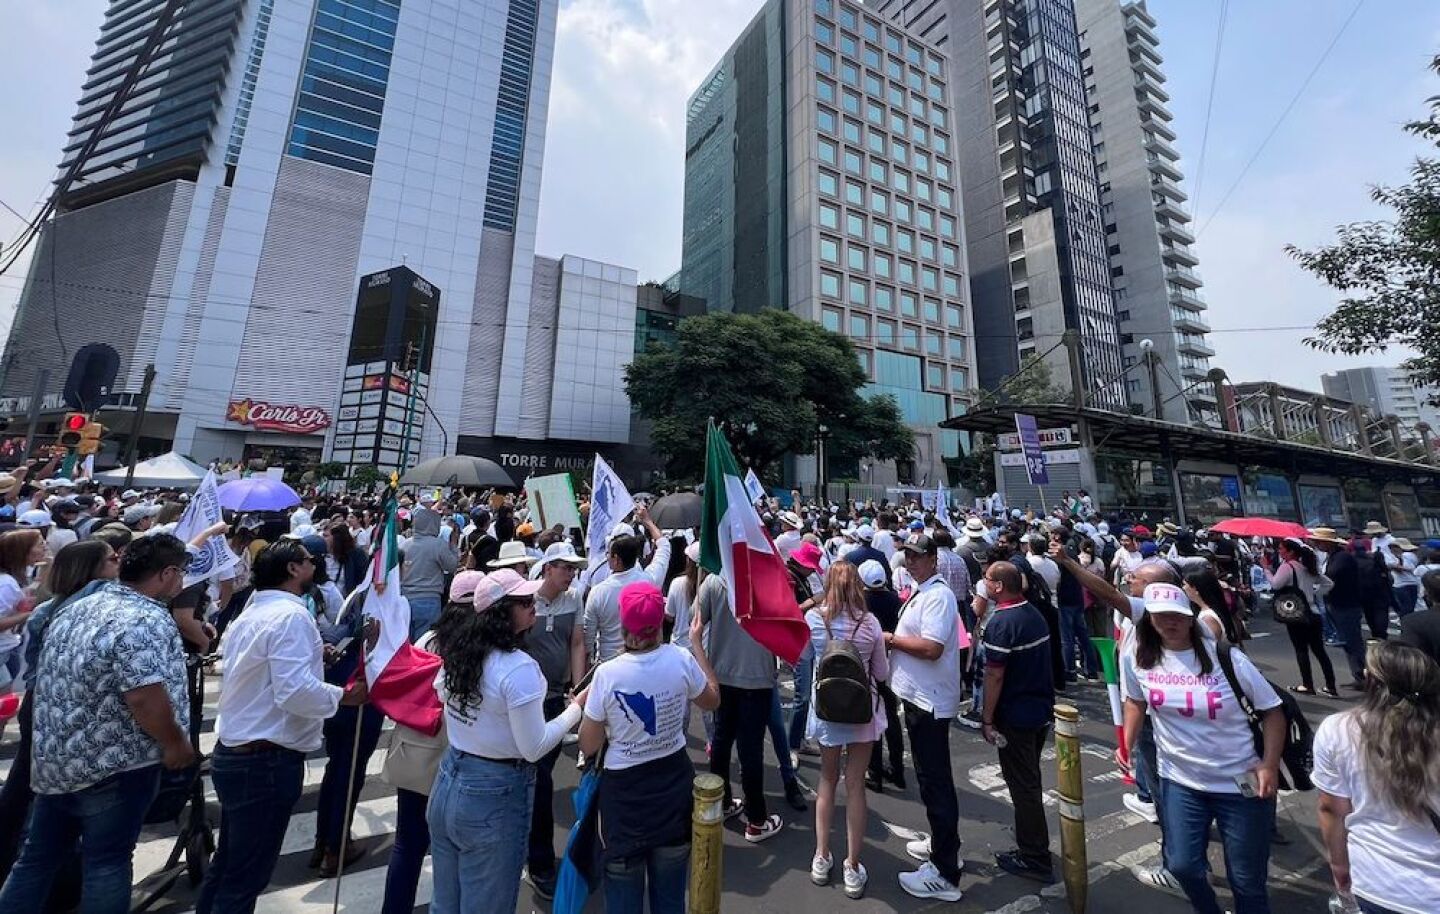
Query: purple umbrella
column 257, row 493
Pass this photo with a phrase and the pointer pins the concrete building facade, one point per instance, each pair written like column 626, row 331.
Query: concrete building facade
column 821, row 177
column 1388, row 392
column 1148, row 230
column 1032, row 206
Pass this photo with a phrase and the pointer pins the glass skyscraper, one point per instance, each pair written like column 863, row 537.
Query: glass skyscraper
column 820, row 177
column 268, row 156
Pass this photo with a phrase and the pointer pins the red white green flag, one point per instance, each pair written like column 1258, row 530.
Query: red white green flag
column 734, row 545
column 401, row 677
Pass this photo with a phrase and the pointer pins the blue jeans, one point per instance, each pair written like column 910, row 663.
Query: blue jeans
column 479, row 820
column 1245, row 827
column 407, row 857
column 104, row 819
column 779, row 737
column 804, row 676
column 1075, row 642
column 424, row 610
column 257, row 793
column 1348, row 621
column 664, row 871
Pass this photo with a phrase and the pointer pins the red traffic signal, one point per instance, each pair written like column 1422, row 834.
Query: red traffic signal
column 72, row 428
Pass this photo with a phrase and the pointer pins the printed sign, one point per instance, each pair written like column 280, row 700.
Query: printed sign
column 274, row 417
column 1030, row 447
column 213, row 557
column 1049, row 437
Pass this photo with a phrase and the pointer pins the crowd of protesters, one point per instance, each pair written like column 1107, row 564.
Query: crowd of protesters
column 918, row 618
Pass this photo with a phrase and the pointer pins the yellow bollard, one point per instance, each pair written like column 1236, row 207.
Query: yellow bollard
column 707, row 844
column 1075, row 863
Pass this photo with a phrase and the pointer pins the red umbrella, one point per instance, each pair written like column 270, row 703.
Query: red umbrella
column 1260, row 526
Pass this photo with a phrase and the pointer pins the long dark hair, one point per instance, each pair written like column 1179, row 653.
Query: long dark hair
column 1207, row 583
column 1303, row 553
column 465, row 641
column 75, row 566
column 342, row 542
column 1149, row 647
column 15, row 546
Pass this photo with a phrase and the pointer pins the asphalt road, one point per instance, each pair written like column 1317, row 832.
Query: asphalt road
column 774, row 876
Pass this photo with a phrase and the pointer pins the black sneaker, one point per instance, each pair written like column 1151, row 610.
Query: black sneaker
column 895, row 774
column 971, row 719
column 542, row 884
column 1012, row 862
column 874, row 782
column 795, row 797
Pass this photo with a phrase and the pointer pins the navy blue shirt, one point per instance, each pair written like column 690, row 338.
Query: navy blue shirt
column 1018, row 638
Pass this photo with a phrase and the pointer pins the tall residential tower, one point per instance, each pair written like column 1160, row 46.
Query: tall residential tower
column 1032, row 203
column 1148, row 232
column 820, row 176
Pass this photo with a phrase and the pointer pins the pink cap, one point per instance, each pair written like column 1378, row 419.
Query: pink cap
column 808, row 555
column 642, row 608
column 462, row 589
column 497, row 585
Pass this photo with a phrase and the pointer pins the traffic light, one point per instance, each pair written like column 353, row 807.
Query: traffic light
column 90, row 438
column 72, row 429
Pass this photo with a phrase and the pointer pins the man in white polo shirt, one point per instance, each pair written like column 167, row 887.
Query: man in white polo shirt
column 925, row 675
column 273, row 705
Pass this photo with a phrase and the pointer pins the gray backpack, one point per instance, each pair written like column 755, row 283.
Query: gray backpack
column 842, row 683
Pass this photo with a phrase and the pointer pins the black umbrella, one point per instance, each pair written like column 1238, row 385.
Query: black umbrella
column 458, row 470
column 676, row 512
column 646, row 497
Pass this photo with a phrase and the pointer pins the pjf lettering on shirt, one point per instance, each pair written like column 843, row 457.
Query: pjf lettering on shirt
column 1184, row 702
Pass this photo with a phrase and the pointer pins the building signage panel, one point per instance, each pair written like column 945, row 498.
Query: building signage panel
column 1030, row 448
column 1052, row 458
column 349, row 412
column 371, row 396
column 275, row 417
column 1049, row 437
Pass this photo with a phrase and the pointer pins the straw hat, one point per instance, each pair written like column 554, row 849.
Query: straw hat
column 1375, row 528
column 1325, row 535
column 1402, row 544
column 511, row 553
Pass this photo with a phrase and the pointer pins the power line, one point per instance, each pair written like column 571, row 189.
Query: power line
column 1275, row 128
column 1210, row 103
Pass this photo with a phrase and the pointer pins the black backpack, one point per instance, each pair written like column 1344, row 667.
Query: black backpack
column 842, row 683
column 1298, row 756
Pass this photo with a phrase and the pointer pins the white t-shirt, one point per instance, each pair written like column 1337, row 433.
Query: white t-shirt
column 883, row 542
column 933, row 685
column 1203, row 738
column 11, row 596
column 511, row 679
column 1047, row 569
column 788, row 542
column 1394, row 860
column 641, row 699
column 677, row 607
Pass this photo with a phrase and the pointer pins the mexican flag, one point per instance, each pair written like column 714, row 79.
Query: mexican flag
column 734, row 545
column 401, row 677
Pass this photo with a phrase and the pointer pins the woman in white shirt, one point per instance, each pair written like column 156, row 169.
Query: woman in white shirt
column 20, row 550
column 1404, row 583
column 1208, row 766
column 1377, row 768
column 637, row 703
column 493, row 693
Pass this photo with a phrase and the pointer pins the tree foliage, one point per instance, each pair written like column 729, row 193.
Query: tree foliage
column 770, row 380
column 1388, row 269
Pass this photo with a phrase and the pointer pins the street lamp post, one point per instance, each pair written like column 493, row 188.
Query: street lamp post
column 821, row 433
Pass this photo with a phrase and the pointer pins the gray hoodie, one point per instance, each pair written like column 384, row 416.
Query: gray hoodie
column 428, row 559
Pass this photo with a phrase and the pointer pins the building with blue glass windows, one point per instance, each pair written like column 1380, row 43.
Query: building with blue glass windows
column 820, row 177
column 272, row 152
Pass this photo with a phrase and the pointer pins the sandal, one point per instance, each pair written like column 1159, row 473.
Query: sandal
column 1302, row 690
column 1329, row 692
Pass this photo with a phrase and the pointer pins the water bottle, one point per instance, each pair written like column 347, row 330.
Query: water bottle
column 1343, row 904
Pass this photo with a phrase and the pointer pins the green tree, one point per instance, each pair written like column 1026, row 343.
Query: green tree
column 365, row 478
column 1388, row 270
column 771, row 380
column 1032, row 383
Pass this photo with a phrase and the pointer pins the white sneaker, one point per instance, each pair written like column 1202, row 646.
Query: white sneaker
column 820, row 869
column 927, row 882
column 919, row 849
column 1157, row 877
column 855, row 879
column 1140, row 808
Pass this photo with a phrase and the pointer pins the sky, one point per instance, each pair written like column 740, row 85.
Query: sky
column 614, row 159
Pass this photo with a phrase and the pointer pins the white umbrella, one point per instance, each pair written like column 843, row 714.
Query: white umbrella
column 168, row 471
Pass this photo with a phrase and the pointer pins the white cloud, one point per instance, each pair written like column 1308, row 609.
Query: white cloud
column 615, row 144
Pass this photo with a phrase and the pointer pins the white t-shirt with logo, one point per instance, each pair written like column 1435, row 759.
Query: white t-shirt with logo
column 511, row 679
column 641, row 699
column 1394, row 860
column 1203, row 737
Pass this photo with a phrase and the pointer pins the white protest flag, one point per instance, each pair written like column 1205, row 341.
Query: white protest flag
column 942, row 511
column 610, row 502
column 213, row 556
column 753, row 488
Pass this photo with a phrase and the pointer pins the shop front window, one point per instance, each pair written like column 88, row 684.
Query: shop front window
column 1209, row 498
